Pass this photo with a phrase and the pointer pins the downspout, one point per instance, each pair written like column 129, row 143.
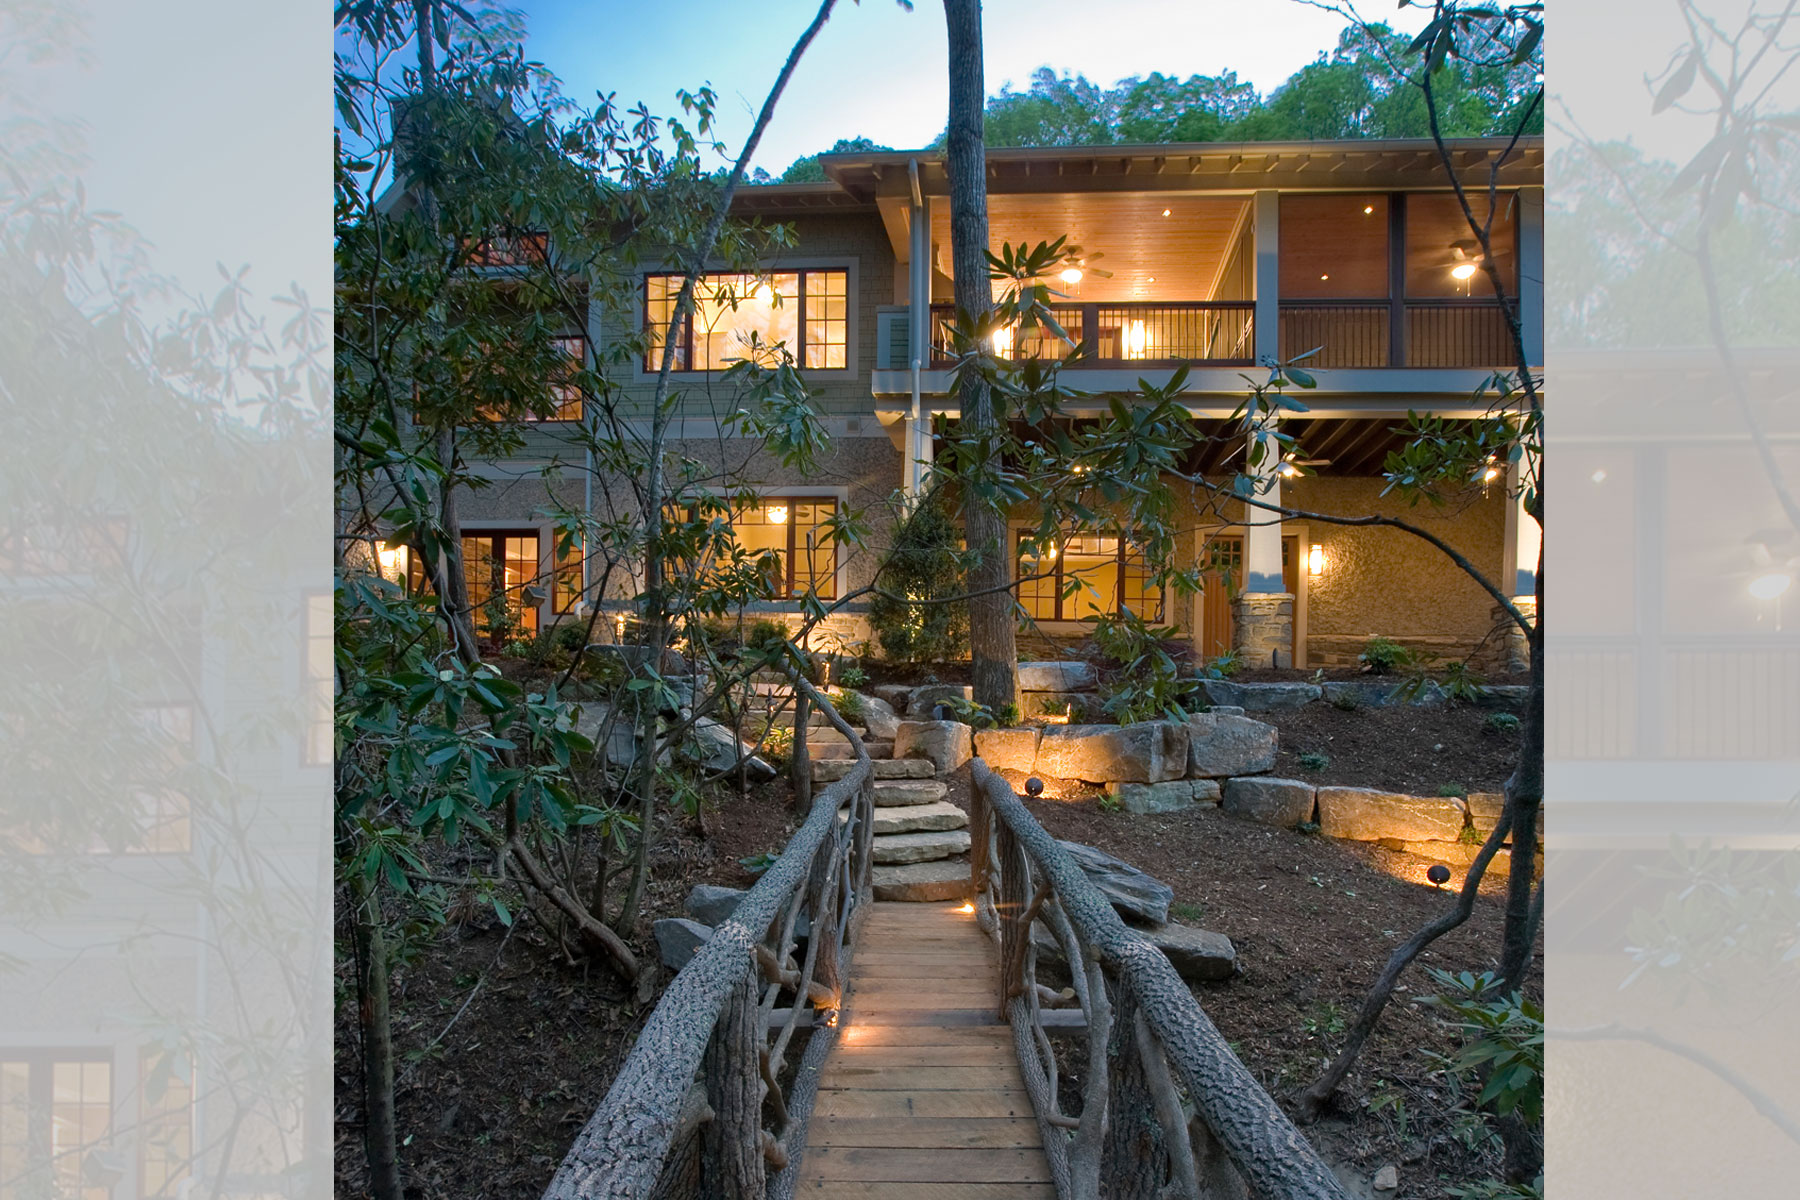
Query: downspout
column 913, row 441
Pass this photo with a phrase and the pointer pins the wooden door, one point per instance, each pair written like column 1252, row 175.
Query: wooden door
column 1221, row 575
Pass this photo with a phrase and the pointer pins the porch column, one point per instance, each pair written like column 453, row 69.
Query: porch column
column 917, row 423
column 1531, row 274
column 1519, row 564
column 1265, row 608
column 1265, row 217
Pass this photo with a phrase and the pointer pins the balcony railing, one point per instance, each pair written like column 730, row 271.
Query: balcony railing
column 1427, row 333
column 1220, row 332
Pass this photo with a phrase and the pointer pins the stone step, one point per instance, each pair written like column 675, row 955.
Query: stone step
column 920, row 818
column 830, row 770
column 944, row 879
column 841, row 749
column 919, row 847
column 898, row 793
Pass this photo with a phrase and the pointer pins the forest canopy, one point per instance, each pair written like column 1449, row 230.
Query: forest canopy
column 1349, row 91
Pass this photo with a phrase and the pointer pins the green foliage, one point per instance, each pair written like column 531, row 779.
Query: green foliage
column 1323, row 1018
column 972, row 713
column 1224, row 666
column 1345, row 700
column 913, row 619
column 1505, row 1047
column 756, row 864
column 853, row 677
column 808, row 168
column 1500, row 723
column 1380, row 656
column 1452, row 790
column 766, row 634
column 1109, row 803
column 1184, row 911
column 851, row 705
column 1008, row 715
column 1496, row 1189
column 1146, row 683
column 1312, row 760
column 1469, row 836
column 1462, row 685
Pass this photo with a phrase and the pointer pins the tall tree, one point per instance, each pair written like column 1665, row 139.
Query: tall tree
column 991, row 633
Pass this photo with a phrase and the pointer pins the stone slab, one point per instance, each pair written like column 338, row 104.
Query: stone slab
column 1009, row 749
column 1198, row 954
column 1259, row 697
column 1283, row 803
column 945, row 879
column 1145, row 752
column 919, row 847
column 1133, row 893
column 920, row 818
column 1222, row 745
column 1368, row 815
column 1061, row 676
column 1172, row 796
column 710, row 904
column 830, row 770
column 679, row 939
column 948, row 744
column 901, row 793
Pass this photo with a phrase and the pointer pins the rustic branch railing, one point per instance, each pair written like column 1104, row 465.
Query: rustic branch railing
column 1146, row 1037
column 698, row 1108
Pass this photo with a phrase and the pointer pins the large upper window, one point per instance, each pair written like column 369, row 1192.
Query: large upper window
column 1443, row 256
column 742, row 316
column 1334, row 247
column 511, row 250
column 1111, row 571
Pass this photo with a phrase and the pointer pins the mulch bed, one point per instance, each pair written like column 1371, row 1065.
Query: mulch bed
column 1418, row 751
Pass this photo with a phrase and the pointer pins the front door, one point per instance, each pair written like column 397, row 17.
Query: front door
column 1221, row 575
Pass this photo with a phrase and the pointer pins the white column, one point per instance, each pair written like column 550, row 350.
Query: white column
column 1265, row 217
column 917, row 424
column 1262, row 529
column 1527, row 538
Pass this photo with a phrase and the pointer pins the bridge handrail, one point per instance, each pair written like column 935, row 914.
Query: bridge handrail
column 1141, row 1020
column 714, row 1022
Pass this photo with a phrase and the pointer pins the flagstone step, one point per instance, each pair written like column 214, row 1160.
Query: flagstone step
column 897, row 793
column 919, row 847
column 920, row 818
column 830, row 770
column 943, row 879
column 840, row 749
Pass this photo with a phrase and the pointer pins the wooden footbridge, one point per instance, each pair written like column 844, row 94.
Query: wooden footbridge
column 911, row 1049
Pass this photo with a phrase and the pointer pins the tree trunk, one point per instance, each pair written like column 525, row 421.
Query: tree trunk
column 992, row 645
column 802, row 756
column 731, row 1143
column 380, row 1138
column 1525, row 797
column 1131, row 1162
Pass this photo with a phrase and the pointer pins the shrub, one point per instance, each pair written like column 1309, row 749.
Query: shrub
column 1345, row 701
column 1452, row 791
column 853, row 677
column 1505, row 1050
column 1501, row 722
column 1312, row 760
column 1148, row 684
column 973, row 713
column 851, row 706
column 1382, row 655
column 923, row 565
column 571, row 637
column 1461, row 684
column 1109, row 803
column 1225, row 665
column 765, row 634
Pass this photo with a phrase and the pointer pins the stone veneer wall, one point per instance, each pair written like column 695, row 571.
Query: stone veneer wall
column 1265, row 628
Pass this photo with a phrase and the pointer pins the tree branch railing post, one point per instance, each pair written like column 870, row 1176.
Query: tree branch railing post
column 1153, row 1056
column 708, row 1103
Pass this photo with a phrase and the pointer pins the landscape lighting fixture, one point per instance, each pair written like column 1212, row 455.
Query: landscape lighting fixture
column 1771, row 586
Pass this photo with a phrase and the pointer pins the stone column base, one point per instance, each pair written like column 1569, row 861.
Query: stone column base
column 1265, row 628
column 1508, row 651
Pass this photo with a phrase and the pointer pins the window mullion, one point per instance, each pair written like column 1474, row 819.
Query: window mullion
column 800, row 319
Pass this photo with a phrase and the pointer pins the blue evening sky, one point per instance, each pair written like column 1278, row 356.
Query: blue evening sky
column 880, row 72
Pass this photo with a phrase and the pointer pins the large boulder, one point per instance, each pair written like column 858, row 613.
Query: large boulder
column 1376, row 692
column 1132, row 892
column 1220, row 746
column 710, row 904
column 1259, row 697
column 719, row 749
column 948, row 744
column 1009, row 749
column 894, row 695
column 1173, row 796
column 1198, row 954
column 879, row 718
column 1066, row 676
column 922, row 704
column 1077, row 707
column 1145, row 752
column 615, row 737
column 945, row 879
column 1484, row 813
column 1503, row 695
column 679, row 939
column 1283, row 803
column 1369, row 815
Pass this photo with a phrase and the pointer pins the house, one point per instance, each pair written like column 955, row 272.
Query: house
column 1219, row 256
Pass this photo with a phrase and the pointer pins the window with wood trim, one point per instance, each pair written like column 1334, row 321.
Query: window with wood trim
column 55, row 1110
column 522, row 249
column 743, row 316
column 796, row 531
column 501, row 569
column 165, row 1137
column 1111, row 573
column 564, row 386
column 567, row 587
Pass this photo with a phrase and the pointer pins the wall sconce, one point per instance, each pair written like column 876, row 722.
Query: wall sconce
column 1315, row 560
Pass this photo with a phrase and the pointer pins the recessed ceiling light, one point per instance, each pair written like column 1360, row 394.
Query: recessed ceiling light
column 1165, row 212
column 1325, row 277
column 1599, row 475
column 1152, row 279
column 1367, row 209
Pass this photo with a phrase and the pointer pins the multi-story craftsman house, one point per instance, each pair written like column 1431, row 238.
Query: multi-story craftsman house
column 1219, row 256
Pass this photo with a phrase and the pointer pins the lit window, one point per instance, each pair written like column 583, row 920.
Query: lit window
column 1112, row 572
column 165, row 1123
column 511, row 250
column 317, row 677
column 567, row 592
column 797, row 531
column 498, row 567
column 808, row 311
column 61, row 1102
